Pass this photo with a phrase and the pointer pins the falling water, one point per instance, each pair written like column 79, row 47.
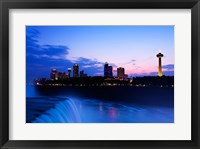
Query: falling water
column 63, row 112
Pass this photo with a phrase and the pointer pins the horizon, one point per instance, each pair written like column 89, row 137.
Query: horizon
column 60, row 47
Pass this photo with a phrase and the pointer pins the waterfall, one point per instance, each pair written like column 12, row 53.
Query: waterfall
column 63, row 112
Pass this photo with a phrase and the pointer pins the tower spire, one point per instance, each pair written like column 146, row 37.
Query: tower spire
column 159, row 56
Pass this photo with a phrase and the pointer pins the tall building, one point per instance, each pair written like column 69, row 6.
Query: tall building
column 61, row 76
column 69, row 72
column 54, row 74
column 120, row 72
column 159, row 56
column 108, row 70
column 82, row 74
column 75, row 71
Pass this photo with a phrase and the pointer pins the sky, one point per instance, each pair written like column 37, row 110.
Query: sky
column 131, row 47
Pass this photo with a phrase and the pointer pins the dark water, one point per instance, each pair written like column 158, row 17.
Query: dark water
column 99, row 105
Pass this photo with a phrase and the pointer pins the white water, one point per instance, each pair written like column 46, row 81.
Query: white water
column 64, row 112
column 71, row 110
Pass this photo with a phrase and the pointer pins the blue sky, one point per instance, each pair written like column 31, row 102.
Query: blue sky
column 131, row 47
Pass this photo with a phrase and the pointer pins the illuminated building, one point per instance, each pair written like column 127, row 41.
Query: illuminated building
column 82, row 74
column 108, row 70
column 61, row 76
column 75, row 71
column 120, row 73
column 54, row 74
column 69, row 72
column 159, row 55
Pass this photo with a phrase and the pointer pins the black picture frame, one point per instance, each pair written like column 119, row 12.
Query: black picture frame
column 5, row 5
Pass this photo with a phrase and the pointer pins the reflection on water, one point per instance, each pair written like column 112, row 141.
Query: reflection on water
column 76, row 110
column 140, row 105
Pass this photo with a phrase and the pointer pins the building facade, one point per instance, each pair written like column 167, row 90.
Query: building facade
column 108, row 70
column 69, row 72
column 75, row 71
column 120, row 72
column 54, row 74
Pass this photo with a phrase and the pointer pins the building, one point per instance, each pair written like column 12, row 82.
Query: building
column 69, row 72
column 108, row 70
column 54, row 74
column 159, row 56
column 61, row 76
column 75, row 71
column 120, row 73
column 105, row 69
column 82, row 74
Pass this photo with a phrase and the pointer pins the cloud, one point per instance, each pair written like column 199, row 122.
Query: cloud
column 86, row 66
column 132, row 62
column 166, row 73
column 33, row 48
column 88, row 63
column 40, row 59
column 51, row 52
column 169, row 67
column 54, row 49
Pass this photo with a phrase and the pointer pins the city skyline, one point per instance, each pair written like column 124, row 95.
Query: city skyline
column 108, row 72
column 82, row 45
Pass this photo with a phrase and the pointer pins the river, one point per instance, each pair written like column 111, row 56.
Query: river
column 99, row 104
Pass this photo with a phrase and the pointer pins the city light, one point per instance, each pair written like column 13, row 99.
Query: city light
column 80, row 78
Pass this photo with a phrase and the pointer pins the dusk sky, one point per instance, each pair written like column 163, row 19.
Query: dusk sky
column 131, row 47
